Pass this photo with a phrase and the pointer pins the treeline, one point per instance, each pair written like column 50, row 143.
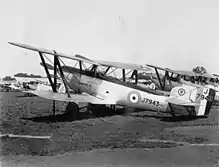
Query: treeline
column 27, row 75
column 9, row 78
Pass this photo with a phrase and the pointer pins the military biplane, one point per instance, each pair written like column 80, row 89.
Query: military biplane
column 95, row 86
column 173, row 78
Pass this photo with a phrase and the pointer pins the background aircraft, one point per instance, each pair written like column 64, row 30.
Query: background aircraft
column 171, row 78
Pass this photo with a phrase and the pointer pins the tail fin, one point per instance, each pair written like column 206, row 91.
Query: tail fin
column 199, row 98
column 205, row 97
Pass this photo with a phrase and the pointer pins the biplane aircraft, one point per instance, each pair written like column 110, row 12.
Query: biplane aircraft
column 95, row 86
column 173, row 78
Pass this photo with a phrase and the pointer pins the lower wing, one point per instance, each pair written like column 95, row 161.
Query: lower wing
column 77, row 98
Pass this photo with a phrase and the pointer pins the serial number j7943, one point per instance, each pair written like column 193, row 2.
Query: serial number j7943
column 150, row 101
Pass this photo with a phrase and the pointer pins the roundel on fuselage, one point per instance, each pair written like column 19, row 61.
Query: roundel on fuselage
column 181, row 91
column 134, row 97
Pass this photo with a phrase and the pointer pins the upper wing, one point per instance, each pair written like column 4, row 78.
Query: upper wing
column 51, row 52
column 187, row 73
column 207, row 75
column 159, row 68
column 192, row 74
column 216, row 75
column 78, row 98
column 82, row 58
column 123, row 65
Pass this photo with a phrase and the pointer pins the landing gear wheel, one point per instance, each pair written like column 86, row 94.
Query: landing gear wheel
column 113, row 108
column 95, row 109
column 72, row 111
column 100, row 110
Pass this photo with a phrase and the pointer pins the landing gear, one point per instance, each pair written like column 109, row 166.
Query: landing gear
column 100, row 110
column 191, row 111
column 171, row 111
column 113, row 107
column 96, row 109
column 72, row 111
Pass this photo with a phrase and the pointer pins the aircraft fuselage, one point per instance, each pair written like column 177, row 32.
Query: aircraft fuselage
column 122, row 95
column 131, row 97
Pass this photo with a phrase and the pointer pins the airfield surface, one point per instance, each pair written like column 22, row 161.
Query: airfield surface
column 136, row 139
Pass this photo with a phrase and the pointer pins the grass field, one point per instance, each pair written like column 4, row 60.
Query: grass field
column 32, row 116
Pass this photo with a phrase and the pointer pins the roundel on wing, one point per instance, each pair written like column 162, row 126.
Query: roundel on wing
column 134, row 97
column 181, row 91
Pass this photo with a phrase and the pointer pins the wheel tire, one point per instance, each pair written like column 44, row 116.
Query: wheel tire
column 72, row 111
column 101, row 111
column 95, row 109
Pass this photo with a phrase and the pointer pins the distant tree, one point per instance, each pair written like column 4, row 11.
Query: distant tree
column 199, row 70
column 35, row 76
column 27, row 76
column 8, row 78
column 21, row 75
column 52, row 76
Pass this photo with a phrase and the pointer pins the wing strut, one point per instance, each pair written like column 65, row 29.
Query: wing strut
column 107, row 70
column 55, row 83
column 171, row 110
column 52, row 83
column 55, row 73
column 123, row 75
column 158, row 76
column 164, row 79
column 136, row 76
column 47, row 71
column 63, row 78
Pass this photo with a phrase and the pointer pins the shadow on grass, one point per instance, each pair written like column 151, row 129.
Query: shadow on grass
column 67, row 118
column 20, row 96
column 58, row 118
column 172, row 118
column 108, row 112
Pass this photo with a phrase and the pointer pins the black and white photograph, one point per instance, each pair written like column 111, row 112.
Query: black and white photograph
column 109, row 83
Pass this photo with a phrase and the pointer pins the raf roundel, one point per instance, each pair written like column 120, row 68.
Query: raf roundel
column 134, row 97
column 181, row 91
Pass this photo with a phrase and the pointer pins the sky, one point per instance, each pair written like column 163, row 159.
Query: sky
column 177, row 34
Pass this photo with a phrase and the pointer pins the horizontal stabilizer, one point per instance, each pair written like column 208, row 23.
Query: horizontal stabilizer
column 181, row 102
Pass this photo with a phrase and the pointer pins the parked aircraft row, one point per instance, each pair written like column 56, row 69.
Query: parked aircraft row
column 96, row 86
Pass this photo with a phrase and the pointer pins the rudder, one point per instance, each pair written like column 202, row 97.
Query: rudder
column 204, row 97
